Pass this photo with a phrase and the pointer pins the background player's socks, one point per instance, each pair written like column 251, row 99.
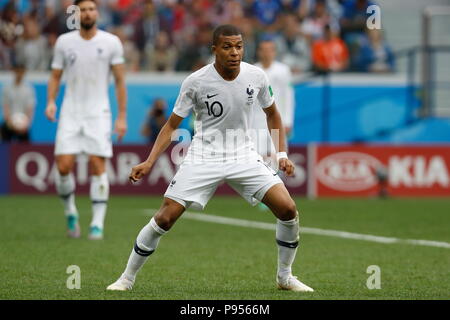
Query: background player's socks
column 287, row 236
column 99, row 193
column 146, row 243
column 65, row 186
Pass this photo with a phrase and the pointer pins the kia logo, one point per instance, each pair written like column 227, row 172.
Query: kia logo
column 348, row 171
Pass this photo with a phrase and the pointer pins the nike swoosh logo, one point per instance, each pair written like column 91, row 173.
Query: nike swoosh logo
column 211, row 96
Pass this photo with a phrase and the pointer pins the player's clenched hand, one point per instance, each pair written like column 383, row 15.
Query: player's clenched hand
column 139, row 171
column 50, row 111
column 287, row 166
column 120, row 128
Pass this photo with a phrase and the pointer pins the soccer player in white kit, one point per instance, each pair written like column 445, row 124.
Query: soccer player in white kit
column 86, row 57
column 222, row 96
column 280, row 77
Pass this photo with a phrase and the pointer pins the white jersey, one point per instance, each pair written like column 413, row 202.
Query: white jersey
column 87, row 66
column 20, row 98
column 280, row 77
column 220, row 106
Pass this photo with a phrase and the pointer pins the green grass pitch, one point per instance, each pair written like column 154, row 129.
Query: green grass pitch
column 204, row 260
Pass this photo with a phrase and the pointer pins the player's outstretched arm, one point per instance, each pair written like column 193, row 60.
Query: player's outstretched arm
column 162, row 142
column 52, row 92
column 120, row 126
column 274, row 122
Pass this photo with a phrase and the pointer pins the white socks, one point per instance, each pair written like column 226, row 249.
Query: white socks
column 146, row 243
column 99, row 196
column 65, row 186
column 287, row 236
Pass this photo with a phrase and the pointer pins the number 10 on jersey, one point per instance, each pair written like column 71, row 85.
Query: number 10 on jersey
column 215, row 109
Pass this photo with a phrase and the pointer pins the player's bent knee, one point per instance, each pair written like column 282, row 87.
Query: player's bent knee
column 64, row 164
column 164, row 220
column 168, row 214
column 64, row 171
column 289, row 211
column 64, row 168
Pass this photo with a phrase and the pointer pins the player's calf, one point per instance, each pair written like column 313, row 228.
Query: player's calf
column 99, row 193
column 147, row 241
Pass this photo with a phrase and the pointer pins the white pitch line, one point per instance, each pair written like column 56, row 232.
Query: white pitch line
column 306, row 230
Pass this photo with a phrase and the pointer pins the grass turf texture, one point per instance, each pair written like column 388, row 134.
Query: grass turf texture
column 201, row 260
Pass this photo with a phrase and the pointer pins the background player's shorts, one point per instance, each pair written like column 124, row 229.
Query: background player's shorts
column 194, row 184
column 91, row 136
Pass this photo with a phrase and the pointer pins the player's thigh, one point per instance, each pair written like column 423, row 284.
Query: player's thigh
column 68, row 137
column 280, row 202
column 97, row 165
column 168, row 214
column 97, row 137
column 252, row 179
column 65, row 163
column 195, row 183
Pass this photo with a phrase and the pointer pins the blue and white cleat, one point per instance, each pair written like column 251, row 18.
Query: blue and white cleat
column 95, row 233
column 291, row 283
column 73, row 228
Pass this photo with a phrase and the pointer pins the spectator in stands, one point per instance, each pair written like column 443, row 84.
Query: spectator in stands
column 293, row 24
column 56, row 18
column 155, row 120
column 220, row 12
column 330, row 53
column 266, row 13
column 354, row 16
column 375, row 55
column 313, row 27
column 105, row 9
column 248, row 33
column 9, row 30
column 179, row 16
column 167, row 16
column 306, row 8
column 147, row 27
column 198, row 52
column 131, row 53
column 18, row 101
column 161, row 56
column 290, row 6
column 293, row 48
column 353, row 26
column 32, row 48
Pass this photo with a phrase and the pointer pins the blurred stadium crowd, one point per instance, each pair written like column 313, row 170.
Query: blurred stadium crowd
column 175, row 35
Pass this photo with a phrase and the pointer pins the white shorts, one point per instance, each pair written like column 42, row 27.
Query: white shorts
column 195, row 184
column 91, row 136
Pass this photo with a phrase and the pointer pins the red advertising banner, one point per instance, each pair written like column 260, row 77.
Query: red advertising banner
column 369, row 170
column 32, row 170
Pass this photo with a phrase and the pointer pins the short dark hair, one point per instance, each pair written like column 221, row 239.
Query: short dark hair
column 225, row 30
column 77, row 2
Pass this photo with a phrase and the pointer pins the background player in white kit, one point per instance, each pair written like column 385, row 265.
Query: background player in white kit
column 87, row 57
column 222, row 96
column 280, row 77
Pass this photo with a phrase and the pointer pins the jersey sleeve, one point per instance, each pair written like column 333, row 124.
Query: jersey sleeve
column 58, row 56
column 117, row 52
column 186, row 99
column 265, row 95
